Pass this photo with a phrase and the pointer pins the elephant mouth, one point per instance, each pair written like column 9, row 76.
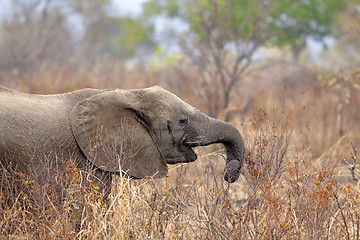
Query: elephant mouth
column 185, row 155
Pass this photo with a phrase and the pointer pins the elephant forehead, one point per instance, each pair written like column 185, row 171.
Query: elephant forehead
column 180, row 106
column 174, row 103
column 155, row 99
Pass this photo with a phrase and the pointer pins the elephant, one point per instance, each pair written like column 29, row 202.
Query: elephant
column 135, row 132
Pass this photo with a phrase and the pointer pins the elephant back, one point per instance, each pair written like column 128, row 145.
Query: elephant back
column 32, row 125
column 4, row 90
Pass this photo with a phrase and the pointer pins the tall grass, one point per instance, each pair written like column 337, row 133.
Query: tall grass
column 281, row 195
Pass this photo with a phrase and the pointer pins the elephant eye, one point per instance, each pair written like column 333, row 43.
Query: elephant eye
column 183, row 121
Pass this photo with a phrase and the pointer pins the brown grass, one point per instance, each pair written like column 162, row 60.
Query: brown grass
column 294, row 184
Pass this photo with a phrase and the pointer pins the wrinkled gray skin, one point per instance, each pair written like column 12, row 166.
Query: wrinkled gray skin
column 141, row 130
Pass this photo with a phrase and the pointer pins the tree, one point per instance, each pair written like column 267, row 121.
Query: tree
column 295, row 21
column 117, row 36
column 38, row 33
column 348, row 26
column 34, row 34
column 224, row 35
column 222, row 38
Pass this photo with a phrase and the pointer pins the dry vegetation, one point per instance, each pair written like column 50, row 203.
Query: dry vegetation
column 297, row 127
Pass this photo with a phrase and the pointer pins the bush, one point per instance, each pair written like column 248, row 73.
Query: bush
column 285, row 195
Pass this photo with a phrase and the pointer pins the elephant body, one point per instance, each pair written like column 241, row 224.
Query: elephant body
column 32, row 124
column 134, row 132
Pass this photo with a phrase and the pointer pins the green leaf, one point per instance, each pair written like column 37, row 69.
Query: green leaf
column 165, row 193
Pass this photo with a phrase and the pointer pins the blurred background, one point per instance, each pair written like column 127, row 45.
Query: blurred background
column 242, row 61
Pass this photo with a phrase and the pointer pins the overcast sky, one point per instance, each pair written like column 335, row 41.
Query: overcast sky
column 128, row 6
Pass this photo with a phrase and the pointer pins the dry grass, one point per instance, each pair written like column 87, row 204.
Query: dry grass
column 294, row 184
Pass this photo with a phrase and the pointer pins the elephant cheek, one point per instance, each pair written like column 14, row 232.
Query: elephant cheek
column 190, row 155
column 147, row 162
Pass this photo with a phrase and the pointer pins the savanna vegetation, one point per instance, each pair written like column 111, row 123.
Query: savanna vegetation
column 254, row 64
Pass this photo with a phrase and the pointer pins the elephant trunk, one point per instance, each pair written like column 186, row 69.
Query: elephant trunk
column 222, row 132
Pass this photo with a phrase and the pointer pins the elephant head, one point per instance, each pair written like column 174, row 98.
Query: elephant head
column 146, row 129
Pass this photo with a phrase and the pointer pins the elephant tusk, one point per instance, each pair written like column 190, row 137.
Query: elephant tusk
column 192, row 142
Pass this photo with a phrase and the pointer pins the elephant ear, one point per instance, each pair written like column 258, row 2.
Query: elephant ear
column 115, row 135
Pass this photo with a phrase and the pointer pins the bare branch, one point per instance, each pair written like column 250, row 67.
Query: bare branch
column 352, row 164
